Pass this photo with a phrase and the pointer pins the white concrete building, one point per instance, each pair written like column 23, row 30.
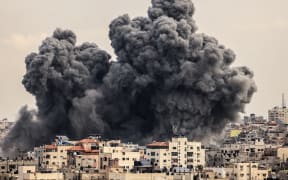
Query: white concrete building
column 179, row 152
column 186, row 153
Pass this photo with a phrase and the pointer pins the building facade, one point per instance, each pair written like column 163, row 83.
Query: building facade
column 278, row 114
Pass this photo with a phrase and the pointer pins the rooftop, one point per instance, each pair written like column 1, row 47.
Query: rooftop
column 158, row 144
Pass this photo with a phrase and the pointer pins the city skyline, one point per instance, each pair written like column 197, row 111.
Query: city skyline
column 257, row 37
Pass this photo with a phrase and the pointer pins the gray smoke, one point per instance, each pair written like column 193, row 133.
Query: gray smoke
column 167, row 80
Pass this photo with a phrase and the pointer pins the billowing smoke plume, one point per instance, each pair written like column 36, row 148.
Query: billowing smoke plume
column 167, row 80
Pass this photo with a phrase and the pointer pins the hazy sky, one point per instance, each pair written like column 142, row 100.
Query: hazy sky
column 256, row 30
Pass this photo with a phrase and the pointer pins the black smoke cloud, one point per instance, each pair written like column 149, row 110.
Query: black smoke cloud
column 167, row 79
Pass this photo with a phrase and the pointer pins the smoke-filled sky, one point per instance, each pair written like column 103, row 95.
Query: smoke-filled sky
column 255, row 30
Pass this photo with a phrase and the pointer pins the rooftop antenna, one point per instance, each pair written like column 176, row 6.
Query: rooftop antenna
column 283, row 101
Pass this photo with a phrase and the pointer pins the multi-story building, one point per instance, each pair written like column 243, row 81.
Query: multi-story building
column 253, row 118
column 185, row 153
column 85, row 154
column 278, row 114
column 249, row 171
column 54, row 156
column 159, row 155
column 179, row 152
column 124, row 154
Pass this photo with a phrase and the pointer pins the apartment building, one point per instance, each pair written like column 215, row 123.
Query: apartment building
column 186, row 153
column 85, row 154
column 159, row 155
column 124, row 154
column 249, row 171
column 179, row 152
column 54, row 157
column 278, row 114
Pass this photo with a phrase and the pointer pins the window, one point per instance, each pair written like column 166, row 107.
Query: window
column 152, row 153
column 174, row 153
column 174, row 148
column 189, row 154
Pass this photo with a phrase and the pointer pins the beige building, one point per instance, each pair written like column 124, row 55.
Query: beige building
column 87, row 160
column 85, row 154
column 54, row 157
column 179, row 152
column 282, row 154
column 29, row 172
column 212, row 173
column 249, row 171
column 278, row 114
column 125, row 155
column 148, row 176
column 186, row 153
column 159, row 155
